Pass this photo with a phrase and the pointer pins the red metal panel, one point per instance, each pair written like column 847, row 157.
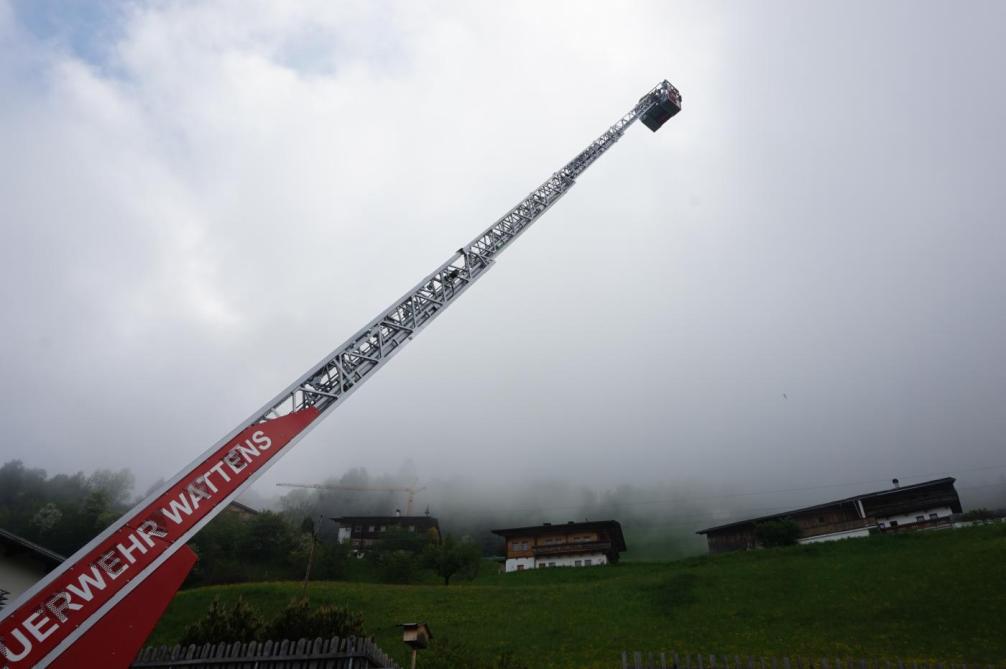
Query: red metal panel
column 116, row 639
column 32, row 631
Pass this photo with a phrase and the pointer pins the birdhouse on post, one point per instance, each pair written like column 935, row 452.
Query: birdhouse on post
column 416, row 636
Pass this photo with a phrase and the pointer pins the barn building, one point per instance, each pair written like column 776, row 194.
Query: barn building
column 583, row 544
column 362, row 532
column 897, row 509
column 241, row 511
column 22, row 565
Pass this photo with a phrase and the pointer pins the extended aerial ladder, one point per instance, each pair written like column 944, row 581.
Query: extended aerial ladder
column 409, row 490
column 99, row 606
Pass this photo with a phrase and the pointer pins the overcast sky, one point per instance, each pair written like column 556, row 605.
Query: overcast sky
column 800, row 278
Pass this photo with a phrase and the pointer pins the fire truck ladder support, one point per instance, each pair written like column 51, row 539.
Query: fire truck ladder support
column 72, row 612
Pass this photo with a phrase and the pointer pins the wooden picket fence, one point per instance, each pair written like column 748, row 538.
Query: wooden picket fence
column 334, row 653
column 638, row 660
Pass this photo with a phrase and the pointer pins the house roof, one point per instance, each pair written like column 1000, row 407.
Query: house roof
column 612, row 526
column 9, row 539
column 238, row 506
column 837, row 502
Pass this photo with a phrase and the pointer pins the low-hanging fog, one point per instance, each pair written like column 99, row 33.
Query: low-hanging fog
column 793, row 292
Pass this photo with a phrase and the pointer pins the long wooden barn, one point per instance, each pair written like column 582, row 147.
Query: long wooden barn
column 897, row 509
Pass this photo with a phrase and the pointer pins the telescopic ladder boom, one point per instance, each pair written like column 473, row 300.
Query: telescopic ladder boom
column 58, row 611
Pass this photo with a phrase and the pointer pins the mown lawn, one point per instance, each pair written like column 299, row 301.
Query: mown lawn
column 936, row 595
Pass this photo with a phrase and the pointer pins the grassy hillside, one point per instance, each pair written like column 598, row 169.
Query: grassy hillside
column 935, row 595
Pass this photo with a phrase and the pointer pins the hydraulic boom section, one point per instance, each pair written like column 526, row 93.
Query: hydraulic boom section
column 382, row 337
column 85, row 607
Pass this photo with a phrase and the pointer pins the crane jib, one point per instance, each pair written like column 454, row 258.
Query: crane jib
column 70, row 600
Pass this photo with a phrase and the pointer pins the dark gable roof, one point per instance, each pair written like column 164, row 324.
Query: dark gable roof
column 838, row 502
column 243, row 507
column 20, row 543
column 612, row 526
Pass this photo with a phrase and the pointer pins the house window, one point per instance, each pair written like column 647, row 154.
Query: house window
column 382, row 528
column 520, row 567
column 894, row 523
column 919, row 519
column 370, row 528
column 577, row 563
column 933, row 516
column 358, row 529
column 551, row 564
column 586, row 563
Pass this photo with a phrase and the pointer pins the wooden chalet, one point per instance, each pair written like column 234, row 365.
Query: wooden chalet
column 898, row 509
column 242, row 511
column 362, row 532
column 571, row 544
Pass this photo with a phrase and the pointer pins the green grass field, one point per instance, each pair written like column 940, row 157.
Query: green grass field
column 936, row 595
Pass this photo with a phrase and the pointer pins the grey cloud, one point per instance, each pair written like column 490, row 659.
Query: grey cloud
column 193, row 221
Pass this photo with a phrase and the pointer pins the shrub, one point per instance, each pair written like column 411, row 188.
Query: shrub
column 330, row 561
column 239, row 622
column 777, row 533
column 452, row 557
column 397, row 555
column 299, row 621
column 981, row 514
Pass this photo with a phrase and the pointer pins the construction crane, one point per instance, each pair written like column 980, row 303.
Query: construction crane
column 320, row 486
column 99, row 606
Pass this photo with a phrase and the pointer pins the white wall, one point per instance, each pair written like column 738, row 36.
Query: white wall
column 835, row 536
column 571, row 560
column 909, row 518
column 557, row 561
column 516, row 564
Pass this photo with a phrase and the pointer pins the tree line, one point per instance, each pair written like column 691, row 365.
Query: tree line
column 65, row 511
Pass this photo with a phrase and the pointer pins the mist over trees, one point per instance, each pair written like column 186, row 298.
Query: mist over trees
column 65, row 511
column 659, row 521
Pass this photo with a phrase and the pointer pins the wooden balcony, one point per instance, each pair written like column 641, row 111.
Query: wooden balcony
column 570, row 547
